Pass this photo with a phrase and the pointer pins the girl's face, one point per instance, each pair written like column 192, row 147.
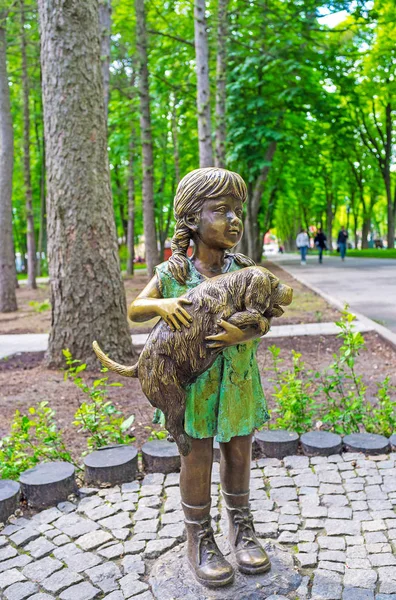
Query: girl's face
column 220, row 224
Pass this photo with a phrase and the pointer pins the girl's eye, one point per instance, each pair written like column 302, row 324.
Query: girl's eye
column 221, row 209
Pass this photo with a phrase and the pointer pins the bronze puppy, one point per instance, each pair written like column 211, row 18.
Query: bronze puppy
column 171, row 360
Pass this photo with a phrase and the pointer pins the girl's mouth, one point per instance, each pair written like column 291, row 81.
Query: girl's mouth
column 236, row 231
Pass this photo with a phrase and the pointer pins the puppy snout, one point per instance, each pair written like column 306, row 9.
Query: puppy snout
column 283, row 295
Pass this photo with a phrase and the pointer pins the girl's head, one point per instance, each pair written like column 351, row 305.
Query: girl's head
column 192, row 192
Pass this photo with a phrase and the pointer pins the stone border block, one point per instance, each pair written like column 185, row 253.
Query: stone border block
column 160, row 456
column 320, row 443
column 277, row 443
column 111, row 464
column 9, row 498
column 369, row 443
column 48, row 483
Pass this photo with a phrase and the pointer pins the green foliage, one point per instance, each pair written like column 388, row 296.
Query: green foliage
column 98, row 417
column 382, row 417
column 292, row 392
column 335, row 398
column 321, row 94
column 342, row 388
column 34, row 438
column 40, row 307
column 157, row 434
column 371, row 253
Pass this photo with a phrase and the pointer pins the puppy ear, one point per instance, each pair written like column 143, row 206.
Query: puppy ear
column 258, row 293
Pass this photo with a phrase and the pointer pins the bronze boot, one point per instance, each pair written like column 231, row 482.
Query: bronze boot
column 250, row 556
column 209, row 566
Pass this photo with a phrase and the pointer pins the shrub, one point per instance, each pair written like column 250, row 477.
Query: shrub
column 98, row 417
column 34, row 438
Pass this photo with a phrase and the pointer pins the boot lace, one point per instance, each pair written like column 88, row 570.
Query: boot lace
column 243, row 519
column 206, row 540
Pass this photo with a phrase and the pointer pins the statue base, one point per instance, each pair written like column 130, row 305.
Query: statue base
column 172, row 579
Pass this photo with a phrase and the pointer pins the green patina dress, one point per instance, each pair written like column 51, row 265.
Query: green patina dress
column 227, row 400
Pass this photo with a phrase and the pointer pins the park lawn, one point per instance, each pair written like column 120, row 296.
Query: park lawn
column 24, row 382
column 370, row 253
column 34, row 314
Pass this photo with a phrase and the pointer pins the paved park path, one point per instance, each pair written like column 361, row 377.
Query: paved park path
column 334, row 517
column 368, row 285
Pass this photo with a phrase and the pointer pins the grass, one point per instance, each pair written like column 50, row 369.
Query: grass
column 370, row 253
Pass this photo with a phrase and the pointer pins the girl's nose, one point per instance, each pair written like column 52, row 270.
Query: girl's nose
column 234, row 218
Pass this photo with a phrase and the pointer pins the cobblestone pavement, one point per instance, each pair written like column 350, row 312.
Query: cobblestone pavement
column 336, row 515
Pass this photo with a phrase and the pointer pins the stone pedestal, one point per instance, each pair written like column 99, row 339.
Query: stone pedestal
column 277, row 443
column 9, row 498
column 171, row 578
column 160, row 456
column 111, row 464
column 48, row 483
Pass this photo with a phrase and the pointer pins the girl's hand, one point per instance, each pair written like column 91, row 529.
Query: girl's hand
column 173, row 313
column 231, row 336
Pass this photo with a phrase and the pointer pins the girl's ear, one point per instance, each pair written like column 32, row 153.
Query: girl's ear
column 191, row 221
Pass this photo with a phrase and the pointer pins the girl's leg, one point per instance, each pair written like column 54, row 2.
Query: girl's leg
column 206, row 561
column 235, row 478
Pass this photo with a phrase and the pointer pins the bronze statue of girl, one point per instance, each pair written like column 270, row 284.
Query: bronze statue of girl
column 227, row 401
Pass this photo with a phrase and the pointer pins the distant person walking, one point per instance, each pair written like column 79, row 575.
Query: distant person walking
column 302, row 242
column 320, row 242
column 342, row 242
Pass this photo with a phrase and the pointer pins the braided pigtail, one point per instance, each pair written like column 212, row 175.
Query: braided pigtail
column 242, row 260
column 178, row 262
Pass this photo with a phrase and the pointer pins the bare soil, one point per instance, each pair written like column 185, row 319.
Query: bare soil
column 24, row 382
column 307, row 307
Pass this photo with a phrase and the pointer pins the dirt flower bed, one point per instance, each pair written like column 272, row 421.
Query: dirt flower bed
column 24, row 382
column 307, row 307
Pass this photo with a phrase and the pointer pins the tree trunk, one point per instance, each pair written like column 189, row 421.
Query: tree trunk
column 329, row 219
column 88, row 296
column 131, row 205
column 40, row 145
column 41, row 244
column 221, row 75
column 365, row 230
column 175, row 142
column 387, row 175
column 252, row 227
column 203, row 88
column 31, row 243
column 8, row 301
column 105, row 32
column 150, row 239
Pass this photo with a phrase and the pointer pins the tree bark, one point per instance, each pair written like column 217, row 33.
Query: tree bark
column 221, row 75
column 150, row 239
column 105, row 32
column 175, row 141
column 40, row 145
column 8, row 302
column 88, row 296
column 203, row 88
column 131, row 205
column 31, row 242
column 252, row 227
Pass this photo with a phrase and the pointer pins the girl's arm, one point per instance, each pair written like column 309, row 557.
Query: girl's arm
column 232, row 335
column 149, row 304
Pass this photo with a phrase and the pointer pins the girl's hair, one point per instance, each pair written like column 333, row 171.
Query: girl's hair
column 191, row 193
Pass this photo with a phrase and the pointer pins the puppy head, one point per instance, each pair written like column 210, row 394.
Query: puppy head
column 270, row 294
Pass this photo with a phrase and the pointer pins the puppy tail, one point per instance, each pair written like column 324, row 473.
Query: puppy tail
column 113, row 366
